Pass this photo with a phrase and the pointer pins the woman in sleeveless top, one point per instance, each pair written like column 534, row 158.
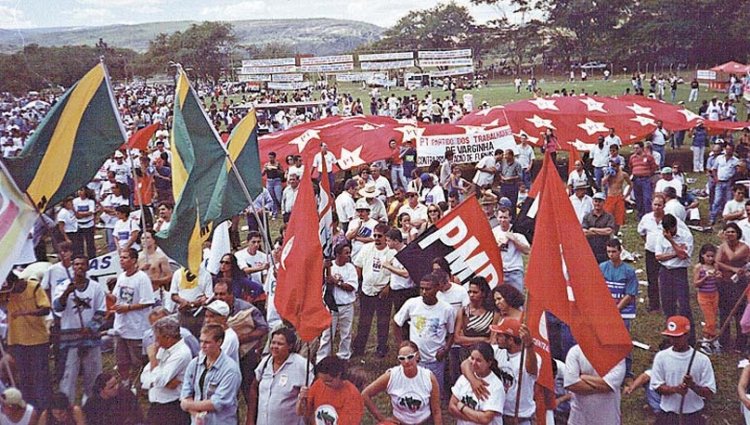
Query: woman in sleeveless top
column 414, row 391
column 15, row 411
column 61, row 412
column 731, row 259
column 473, row 322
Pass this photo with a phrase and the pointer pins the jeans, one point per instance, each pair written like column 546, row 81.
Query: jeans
column 32, row 364
column 397, row 177
column 675, row 295
column 722, row 193
column 526, row 178
column 653, row 399
column 510, row 191
column 110, row 238
column 598, row 176
column 729, row 293
column 369, row 307
column 438, row 369
column 652, row 275
column 642, row 190
column 698, row 152
column 341, row 320
column 693, row 96
column 89, row 359
column 514, row 278
column 662, row 151
column 86, row 236
column 274, row 188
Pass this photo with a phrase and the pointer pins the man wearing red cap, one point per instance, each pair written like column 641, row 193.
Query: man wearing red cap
column 670, row 380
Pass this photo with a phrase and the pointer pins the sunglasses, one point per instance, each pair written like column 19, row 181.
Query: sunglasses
column 225, row 262
column 407, row 357
column 433, row 211
column 377, row 235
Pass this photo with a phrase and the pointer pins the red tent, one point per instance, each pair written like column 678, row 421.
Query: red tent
column 731, row 67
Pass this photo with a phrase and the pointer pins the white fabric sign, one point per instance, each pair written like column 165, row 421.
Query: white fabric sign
column 468, row 148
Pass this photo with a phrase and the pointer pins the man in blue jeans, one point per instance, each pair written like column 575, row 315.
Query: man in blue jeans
column 724, row 168
column 623, row 285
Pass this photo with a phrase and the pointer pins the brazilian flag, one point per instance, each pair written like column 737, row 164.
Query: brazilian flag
column 197, row 161
column 78, row 134
column 229, row 197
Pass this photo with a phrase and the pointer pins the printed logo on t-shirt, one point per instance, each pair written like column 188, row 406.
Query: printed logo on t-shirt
column 411, row 402
column 377, row 265
column 427, row 326
column 123, row 236
column 326, row 415
column 470, row 401
column 127, row 295
column 506, row 375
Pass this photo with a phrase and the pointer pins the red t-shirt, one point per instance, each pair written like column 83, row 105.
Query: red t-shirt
column 342, row 407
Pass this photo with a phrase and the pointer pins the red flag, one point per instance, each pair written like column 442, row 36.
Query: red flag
column 564, row 278
column 537, row 323
column 573, row 156
column 299, row 293
column 139, row 140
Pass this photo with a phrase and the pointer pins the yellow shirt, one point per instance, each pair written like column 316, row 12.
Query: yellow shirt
column 28, row 330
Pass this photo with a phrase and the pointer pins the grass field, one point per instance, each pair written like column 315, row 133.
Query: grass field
column 724, row 409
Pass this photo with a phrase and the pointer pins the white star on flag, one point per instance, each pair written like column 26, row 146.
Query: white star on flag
column 531, row 139
column 640, row 110
column 493, row 123
column 689, row 115
column 367, row 126
column 410, row 132
column 349, row 158
column 643, row 120
column 544, row 104
column 592, row 127
column 593, row 105
column 582, row 146
column 568, row 285
column 485, row 112
column 302, row 139
column 471, row 129
column 540, row 122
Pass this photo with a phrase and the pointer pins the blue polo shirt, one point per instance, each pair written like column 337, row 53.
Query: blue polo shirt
column 621, row 281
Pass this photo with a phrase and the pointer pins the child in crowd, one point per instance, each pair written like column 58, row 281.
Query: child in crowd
column 706, row 278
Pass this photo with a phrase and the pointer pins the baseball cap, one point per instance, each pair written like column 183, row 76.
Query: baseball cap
column 219, row 307
column 507, row 326
column 600, row 196
column 425, row 177
column 505, row 202
column 34, row 271
column 666, row 170
column 13, row 397
column 677, row 326
column 615, row 160
column 362, row 204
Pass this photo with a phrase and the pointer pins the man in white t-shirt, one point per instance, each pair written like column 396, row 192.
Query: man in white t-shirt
column 451, row 293
column 330, row 161
column 595, row 399
column 431, row 326
column 385, row 191
column 133, row 296
column 217, row 313
column 670, row 380
column 667, row 180
column 343, row 281
column 512, row 245
column 416, row 210
column 374, row 298
column 485, row 174
column 361, row 228
column 252, row 260
column 430, row 193
column 345, row 205
column 734, row 209
column 188, row 293
column 581, row 201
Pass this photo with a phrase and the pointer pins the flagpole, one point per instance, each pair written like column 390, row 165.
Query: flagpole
column 522, row 367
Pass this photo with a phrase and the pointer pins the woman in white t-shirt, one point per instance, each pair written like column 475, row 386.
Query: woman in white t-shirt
column 465, row 405
column 414, row 390
column 67, row 223
column 408, row 232
column 126, row 230
column 109, row 215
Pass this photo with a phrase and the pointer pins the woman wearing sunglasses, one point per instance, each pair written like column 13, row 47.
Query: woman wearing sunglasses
column 466, row 406
column 414, row 391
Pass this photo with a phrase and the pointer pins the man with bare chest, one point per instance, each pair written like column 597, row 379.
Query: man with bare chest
column 154, row 263
column 615, row 183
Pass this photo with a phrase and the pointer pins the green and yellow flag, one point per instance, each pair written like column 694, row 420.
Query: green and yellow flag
column 197, row 161
column 75, row 138
column 229, row 198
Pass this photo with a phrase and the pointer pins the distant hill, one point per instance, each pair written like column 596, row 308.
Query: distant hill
column 316, row 36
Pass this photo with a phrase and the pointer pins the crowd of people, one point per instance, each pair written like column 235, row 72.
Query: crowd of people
column 194, row 344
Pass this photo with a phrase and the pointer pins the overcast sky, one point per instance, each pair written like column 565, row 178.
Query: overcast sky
column 71, row 13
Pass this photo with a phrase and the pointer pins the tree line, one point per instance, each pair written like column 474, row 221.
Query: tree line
column 554, row 33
